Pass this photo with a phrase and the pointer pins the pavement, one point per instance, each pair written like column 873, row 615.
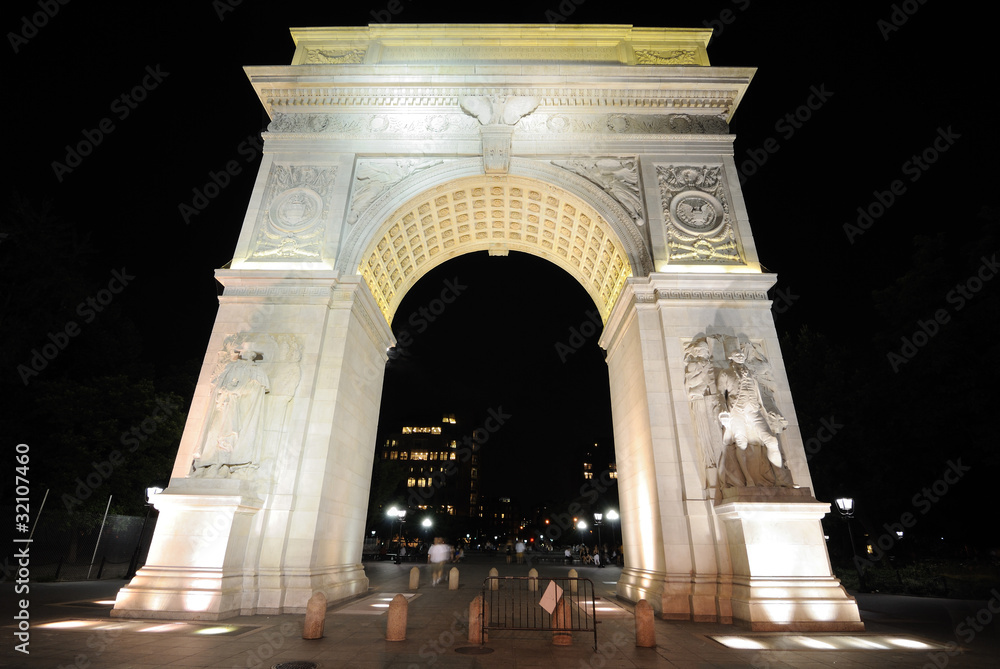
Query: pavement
column 70, row 626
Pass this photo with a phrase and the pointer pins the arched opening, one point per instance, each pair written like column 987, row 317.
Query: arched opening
column 509, row 347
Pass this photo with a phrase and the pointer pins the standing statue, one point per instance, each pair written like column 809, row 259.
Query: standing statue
column 235, row 431
column 749, row 426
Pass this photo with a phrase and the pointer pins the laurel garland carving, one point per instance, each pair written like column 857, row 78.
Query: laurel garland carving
column 675, row 57
column 335, row 56
column 697, row 215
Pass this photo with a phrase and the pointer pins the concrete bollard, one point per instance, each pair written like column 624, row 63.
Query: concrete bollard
column 572, row 584
column 494, row 576
column 645, row 632
column 478, row 613
column 395, row 628
column 453, row 579
column 533, row 580
column 315, row 617
column 414, row 578
column 561, row 624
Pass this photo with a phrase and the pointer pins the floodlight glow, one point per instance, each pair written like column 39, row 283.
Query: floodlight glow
column 740, row 642
column 910, row 643
column 612, row 515
column 216, row 630
column 68, row 624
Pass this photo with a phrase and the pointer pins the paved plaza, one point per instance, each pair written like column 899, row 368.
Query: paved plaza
column 71, row 627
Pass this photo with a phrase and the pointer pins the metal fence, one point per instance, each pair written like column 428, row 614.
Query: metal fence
column 516, row 603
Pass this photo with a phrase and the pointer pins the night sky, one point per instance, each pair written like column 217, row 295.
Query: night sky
column 873, row 87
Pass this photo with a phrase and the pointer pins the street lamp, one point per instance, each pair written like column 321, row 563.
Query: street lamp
column 845, row 505
column 426, row 524
column 597, row 522
column 393, row 512
column 581, row 526
column 613, row 516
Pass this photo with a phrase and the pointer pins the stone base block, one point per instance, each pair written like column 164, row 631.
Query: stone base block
column 782, row 580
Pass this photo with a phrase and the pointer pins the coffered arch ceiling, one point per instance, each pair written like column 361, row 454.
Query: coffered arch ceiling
column 499, row 214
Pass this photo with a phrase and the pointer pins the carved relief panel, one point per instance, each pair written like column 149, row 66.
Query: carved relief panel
column 700, row 228
column 295, row 210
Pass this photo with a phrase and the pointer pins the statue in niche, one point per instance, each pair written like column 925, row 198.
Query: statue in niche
column 749, row 426
column 732, row 418
column 232, row 446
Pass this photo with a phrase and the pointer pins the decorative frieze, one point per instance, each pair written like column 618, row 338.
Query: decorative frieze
column 697, row 215
column 334, row 56
column 293, row 218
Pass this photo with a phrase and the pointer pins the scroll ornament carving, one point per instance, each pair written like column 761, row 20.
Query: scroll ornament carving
column 674, row 57
column 253, row 386
column 292, row 222
column 374, row 178
column 730, row 386
column 619, row 177
column 696, row 210
column 366, row 125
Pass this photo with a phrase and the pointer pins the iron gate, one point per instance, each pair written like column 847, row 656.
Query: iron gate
column 515, row 603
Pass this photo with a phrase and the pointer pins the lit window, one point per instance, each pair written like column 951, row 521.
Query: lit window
column 394, row 455
column 452, row 457
column 588, row 475
column 418, row 455
column 587, row 466
column 434, row 455
column 613, row 474
column 410, row 482
column 421, row 483
column 403, row 455
column 475, row 473
column 453, row 444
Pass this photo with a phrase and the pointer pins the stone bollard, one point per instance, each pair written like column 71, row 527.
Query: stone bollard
column 572, row 584
column 494, row 576
column 414, row 578
column 395, row 628
column 315, row 617
column 478, row 613
column 561, row 623
column 645, row 632
column 532, row 580
column 453, row 579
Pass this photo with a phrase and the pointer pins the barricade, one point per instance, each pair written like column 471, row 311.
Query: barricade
column 510, row 603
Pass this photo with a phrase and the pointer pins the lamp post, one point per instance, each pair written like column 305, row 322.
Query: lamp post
column 393, row 512
column 845, row 505
column 600, row 550
column 134, row 564
column 613, row 516
column 581, row 526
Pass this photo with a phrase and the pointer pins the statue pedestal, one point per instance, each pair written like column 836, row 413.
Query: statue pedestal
column 782, row 580
column 195, row 569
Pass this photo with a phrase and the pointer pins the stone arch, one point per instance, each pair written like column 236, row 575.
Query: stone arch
column 455, row 209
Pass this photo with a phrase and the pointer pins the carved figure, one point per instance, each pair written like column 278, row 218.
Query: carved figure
column 749, row 425
column 498, row 109
column 236, row 426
